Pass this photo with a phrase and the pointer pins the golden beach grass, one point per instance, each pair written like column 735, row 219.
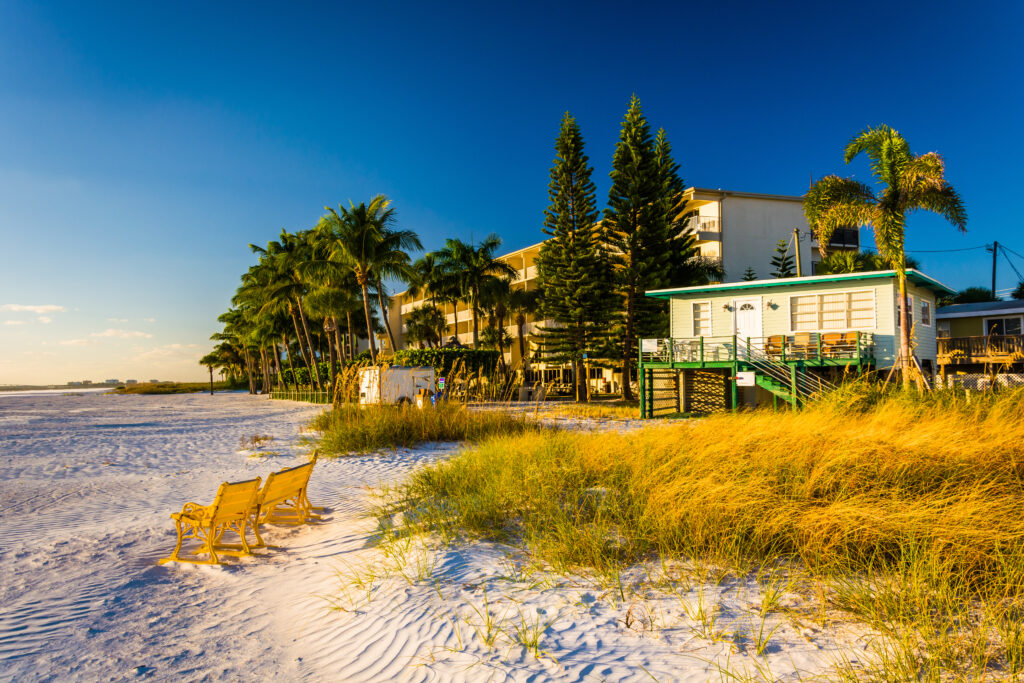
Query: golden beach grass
column 910, row 509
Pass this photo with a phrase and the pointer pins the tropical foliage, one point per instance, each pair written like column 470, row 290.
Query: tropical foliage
column 907, row 183
column 299, row 312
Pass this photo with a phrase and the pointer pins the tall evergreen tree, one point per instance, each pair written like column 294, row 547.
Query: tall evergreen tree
column 749, row 274
column 637, row 232
column 572, row 267
column 782, row 262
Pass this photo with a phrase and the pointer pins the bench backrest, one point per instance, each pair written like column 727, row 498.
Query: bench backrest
column 286, row 483
column 234, row 500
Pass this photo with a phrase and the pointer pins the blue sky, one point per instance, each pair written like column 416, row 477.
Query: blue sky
column 142, row 147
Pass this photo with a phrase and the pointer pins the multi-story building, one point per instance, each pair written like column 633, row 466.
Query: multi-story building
column 742, row 229
column 459, row 316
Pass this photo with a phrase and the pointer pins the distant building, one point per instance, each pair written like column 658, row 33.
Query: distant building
column 86, row 381
column 110, row 381
column 154, row 381
column 74, row 384
column 131, row 381
column 985, row 338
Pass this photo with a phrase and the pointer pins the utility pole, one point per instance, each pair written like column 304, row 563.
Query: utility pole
column 995, row 252
column 796, row 242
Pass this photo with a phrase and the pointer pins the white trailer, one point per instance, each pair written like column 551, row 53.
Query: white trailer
column 394, row 384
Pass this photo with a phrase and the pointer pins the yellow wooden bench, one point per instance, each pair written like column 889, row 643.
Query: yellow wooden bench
column 283, row 500
column 231, row 510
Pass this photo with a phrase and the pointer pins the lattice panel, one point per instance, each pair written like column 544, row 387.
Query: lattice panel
column 705, row 392
column 666, row 391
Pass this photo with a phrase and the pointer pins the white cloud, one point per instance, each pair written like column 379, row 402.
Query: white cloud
column 122, row 334
column 149, row 320
column 117, row 320
column 169, row 351
column 14, row 322
column 46, row 320
column 39, row 310
column 77, row 342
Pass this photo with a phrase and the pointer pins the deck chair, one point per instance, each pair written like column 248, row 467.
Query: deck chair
column 282, row 500
column 230, row 511
column 832, row 345
column 850, row 344
column 773, row 345
column 802, row 344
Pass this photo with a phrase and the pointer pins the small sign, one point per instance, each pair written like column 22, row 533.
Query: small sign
column 440, row 383
column 649, row 345
column 584, row 356
column 745, row 379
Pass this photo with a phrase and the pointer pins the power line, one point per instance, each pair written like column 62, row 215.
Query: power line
column 936, row 251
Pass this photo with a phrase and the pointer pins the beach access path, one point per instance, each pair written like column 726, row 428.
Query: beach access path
column 87, row 483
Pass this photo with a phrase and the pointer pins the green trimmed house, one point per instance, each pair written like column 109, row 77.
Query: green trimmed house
column 778, row 341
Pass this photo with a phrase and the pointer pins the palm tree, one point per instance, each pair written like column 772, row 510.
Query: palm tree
column 423, row 324
column 428, row 280
column 494, row 295
column 467, row 267
column 523, row 303
column 908, row 183
column 360, row 239
column 286, row 287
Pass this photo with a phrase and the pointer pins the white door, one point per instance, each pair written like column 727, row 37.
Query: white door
column 747, row 322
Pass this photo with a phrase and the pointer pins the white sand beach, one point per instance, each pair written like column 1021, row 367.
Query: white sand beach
column 87, row 483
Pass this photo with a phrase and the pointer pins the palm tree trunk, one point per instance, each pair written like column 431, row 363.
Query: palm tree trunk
column 248, row 370
column 369, row 324
column 351, row 336
column 384, row 314
column 342, row 354
column 302, row 352
column 291, row 365
column 265, row 375
column 277, row 365
column 904, row 330
column 334, row 369
column 309, row 344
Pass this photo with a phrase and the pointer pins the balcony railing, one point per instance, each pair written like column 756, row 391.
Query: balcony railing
column 705, row 227
column 994, row 348
column 802, row 346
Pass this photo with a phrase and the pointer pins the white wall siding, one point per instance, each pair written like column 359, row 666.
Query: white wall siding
column 776, row 313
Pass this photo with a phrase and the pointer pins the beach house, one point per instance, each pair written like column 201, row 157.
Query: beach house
column 981, row 342
column 739, row 229
column 778, row 341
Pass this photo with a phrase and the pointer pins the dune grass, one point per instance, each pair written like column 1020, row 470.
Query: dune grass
column 906, row 512
column 351, row 428
column 599, row 410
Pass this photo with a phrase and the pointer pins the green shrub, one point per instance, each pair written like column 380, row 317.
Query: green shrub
column 351, row 428
column 445, row 361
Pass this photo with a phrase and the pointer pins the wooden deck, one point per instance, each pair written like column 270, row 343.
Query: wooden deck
column 807, row 349
column 991, row 349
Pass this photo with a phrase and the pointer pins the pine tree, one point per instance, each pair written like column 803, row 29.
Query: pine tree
column 637, row 230
column 782, row 262
column 749, row 274
column 572, row 267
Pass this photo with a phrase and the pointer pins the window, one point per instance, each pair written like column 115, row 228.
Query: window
column 941, row 328
column 833, row 311
column 910, row 310
column 1002, row 326
column 702, row 319
column 926, row 313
